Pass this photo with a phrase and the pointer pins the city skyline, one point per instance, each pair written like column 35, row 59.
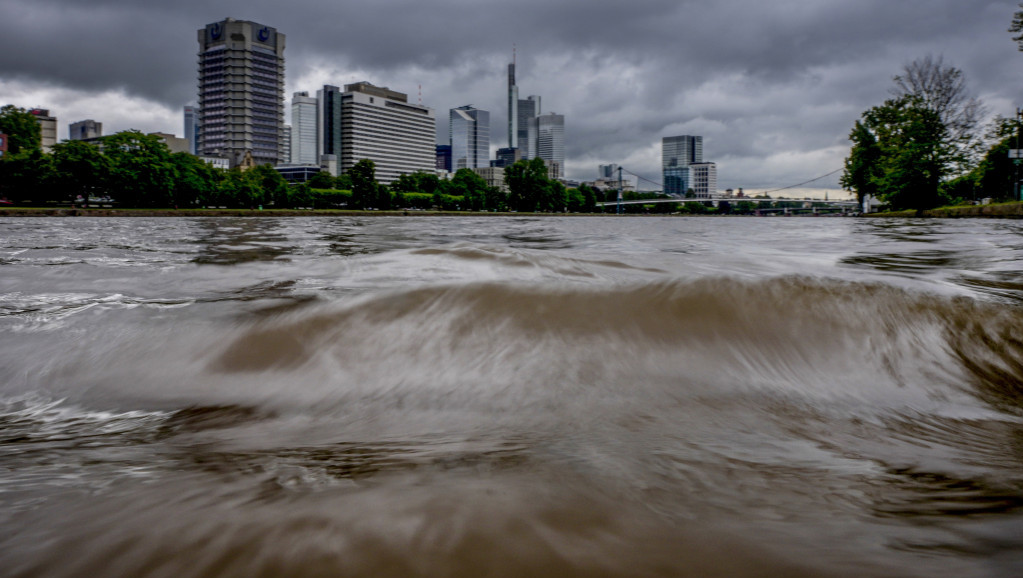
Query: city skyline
column 775, row 93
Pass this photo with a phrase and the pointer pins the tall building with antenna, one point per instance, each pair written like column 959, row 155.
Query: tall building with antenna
column 513, row 105
column 521, row 116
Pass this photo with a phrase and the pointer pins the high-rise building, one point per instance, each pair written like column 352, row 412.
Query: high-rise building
column 513, row 107
column 304, row 134
column 47, row 127
column 528, row 110
column 677, row 153
column 328, row 121
column 286, row 142
column 506, row 157
column 550, row 141
column 607, row 172
column 469, row 134
column 241, row 92
column 85, row 129
column 444, row 158
column 703, row 179
column 192, row 127
column 381, row 125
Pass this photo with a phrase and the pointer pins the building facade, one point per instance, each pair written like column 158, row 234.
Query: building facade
column 444, row 158
column 513, row 107
column 286, row 143
column 677, row 153
column 528, row 110
column 241, row 92
column 47, row 127
column 506, row 157
column 328, row 123
column 381, row 125
column 85, row 129
column 191, row 114
column 703, row 179
column 494, row 177
column 304, row 133
column 550, row 141
column 469, row 135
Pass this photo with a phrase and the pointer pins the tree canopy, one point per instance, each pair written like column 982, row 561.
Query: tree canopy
column 900, row 153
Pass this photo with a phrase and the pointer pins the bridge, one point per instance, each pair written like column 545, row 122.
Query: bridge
column 789, row 207
column 805, row 206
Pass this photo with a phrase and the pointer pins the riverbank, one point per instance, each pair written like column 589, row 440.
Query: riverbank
column 1012, row 210
column 107, row 212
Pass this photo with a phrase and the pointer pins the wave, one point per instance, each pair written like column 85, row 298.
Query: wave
column 816, row 335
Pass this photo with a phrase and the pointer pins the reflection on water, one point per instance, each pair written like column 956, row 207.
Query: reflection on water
column 509, row 397
column 239, row 240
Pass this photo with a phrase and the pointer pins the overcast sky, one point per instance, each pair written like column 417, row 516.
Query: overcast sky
column 773, row 87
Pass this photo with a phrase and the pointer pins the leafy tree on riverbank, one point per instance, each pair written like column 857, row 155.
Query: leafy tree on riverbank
column 24, row 134
column 364, row 184
column 79, row 168
column 901, row 153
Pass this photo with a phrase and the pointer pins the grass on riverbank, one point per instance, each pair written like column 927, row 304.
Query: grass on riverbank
column 1010, row 210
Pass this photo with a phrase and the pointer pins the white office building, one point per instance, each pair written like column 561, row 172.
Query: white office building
column 381, row 125
column 703, row 179
column 550, row 140
column 304, row 130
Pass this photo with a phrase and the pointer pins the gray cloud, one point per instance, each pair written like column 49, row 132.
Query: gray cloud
column 774, row 87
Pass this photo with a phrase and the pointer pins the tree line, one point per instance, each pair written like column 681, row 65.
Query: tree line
column 926, row 146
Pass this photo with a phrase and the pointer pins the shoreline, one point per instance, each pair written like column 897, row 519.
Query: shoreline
column 1013, row 210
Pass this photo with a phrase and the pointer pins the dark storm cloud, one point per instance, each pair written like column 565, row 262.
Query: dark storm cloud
column 773, row 87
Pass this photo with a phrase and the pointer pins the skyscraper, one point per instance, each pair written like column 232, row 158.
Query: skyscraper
column 85, row 129
column 381, row 125
column 677, row 153
column 550, row 141
column 513, row 106
column 241, row 92
column 192, row 127
column 528, row 109
column 328, row 121
column 469, row 135
column 304, row 134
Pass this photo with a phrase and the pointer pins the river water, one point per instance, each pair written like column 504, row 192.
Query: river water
column 510, row 397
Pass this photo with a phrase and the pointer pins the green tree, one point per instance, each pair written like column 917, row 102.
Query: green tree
column 364, row 184
column 995, row 175
column 553, row 198
column 472, row 187
column 913, row 155
column 241, row 188
column 275, row 188
column 22, row 130
column 862, row 166
column 141, row 173
column 322, row 180
column 527, row 184
column 383, row 198
column 590, row 195
column 79, row 169
column 194, row 180
column 26, row 177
